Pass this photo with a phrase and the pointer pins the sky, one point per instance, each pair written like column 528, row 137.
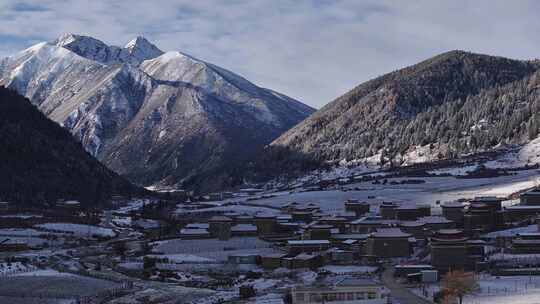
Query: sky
column 311, row 50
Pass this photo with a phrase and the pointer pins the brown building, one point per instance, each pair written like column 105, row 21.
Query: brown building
column 318, row 232
column 302, row 216
column 220, row 227
column 4, row 207
column 411, row 212
column 526, row 243
column 271, row 261
column 339, row 222
column 454, row 211
column 370, row 224
column 530, row 198
column 303, row 260
column 519, row 213
column 451, row 249
column 414, row 228
column 308, row 246
column 483, row 216
column 339, row 256
column 359, row 208
column 266, row 224
column 436, row 222
column 387, row 210
column 388, row 243
column 244, row 230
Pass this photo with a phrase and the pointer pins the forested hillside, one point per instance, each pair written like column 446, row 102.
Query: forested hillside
column 41, row 162
column 455, row 103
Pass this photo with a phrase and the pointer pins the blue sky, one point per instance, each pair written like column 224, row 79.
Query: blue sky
column 312, row 50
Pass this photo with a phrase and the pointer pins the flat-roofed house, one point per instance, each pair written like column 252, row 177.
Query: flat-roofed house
column 530, row 198
column 451, row 249
column 369, row 224
column 308, row 246
column 454, row 211
column 388, row 243
column 341, row 290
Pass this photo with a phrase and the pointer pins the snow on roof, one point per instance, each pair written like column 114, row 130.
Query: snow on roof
column 351, row 236
column 412, row 224
column 305, row 256
column 452, row 204
column 193, row 231
column 434, row 219
column 244, row 228
column 486, row 199
column 414, row 266
column 522, row 207
column 349, row 269
column 511, row 232
column 389, row 232
column 220, row 218
column 319, row 226
column 520, row 241
column 449, row 231
column 198, row 226
column 308, row 242
column 147, row 224
column 368, row 220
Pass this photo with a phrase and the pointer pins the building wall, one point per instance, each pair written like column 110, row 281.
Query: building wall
column 340, row 295
column 388, row 247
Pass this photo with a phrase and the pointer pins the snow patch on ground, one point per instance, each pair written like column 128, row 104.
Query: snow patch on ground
column 78, row 229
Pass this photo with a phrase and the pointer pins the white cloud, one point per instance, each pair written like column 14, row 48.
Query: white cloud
column 311, row 50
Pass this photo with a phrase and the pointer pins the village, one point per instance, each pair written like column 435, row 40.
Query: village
column 233, row 247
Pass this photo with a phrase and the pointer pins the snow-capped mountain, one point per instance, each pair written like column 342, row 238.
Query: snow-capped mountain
column 134, row 52
column 165, row 119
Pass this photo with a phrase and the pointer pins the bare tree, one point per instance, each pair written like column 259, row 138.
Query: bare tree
column 456, row 284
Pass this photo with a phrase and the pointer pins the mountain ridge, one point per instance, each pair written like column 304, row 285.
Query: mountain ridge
column 170, row 121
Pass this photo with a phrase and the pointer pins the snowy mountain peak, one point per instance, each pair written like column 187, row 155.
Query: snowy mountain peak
column 136, row 51
column 65, row 39
column 142, row 49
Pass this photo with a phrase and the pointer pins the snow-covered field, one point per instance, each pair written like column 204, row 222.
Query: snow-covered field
column 506, row 290
column 78, row 229
column 210, row 250
column 444, row 188
column 242, row 209
column 497, row 290
column 206, row 245
column 52, row 284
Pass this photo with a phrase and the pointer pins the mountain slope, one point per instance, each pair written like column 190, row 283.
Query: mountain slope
column 435, row 103
column 41, row 162
column 160, row 119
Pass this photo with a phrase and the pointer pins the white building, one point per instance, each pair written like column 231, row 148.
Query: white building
column 342, row 291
